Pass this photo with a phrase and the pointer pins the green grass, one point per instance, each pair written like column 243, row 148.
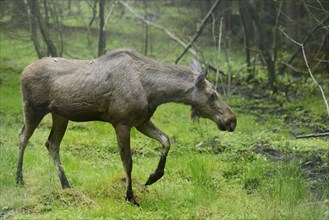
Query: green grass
column 257, row 172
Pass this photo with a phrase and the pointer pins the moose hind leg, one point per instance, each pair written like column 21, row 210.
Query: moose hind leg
column 123, row 138
column 150, row 130
column 53, row 145
column 31, row 121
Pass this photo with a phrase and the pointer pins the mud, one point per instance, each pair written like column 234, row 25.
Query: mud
column 314, row 166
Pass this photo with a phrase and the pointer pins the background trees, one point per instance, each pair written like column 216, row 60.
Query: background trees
column 262, row 170
column 252, row 26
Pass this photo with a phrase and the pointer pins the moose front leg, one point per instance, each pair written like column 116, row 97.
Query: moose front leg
column 150, row 130
column 123, row 138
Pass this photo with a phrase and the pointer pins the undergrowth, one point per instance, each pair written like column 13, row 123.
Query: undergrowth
column 260, row 171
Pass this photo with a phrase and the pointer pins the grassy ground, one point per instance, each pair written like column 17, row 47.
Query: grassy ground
column 258, row 172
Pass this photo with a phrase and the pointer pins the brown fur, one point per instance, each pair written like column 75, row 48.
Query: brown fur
column 123, row 88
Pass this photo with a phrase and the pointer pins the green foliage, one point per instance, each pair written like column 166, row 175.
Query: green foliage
column 257, row 172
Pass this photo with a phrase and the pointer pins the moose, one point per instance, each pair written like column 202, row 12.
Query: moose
column 122, row 87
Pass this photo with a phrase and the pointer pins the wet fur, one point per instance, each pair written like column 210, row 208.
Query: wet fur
column 123, row 88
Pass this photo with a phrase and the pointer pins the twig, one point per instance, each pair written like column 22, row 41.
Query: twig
column 109, row 15
column 292, row 67
column 322, row 7
column 94, row 12
column 313, row 135
column 213, row 30
column 229, row 73
column 171, row 35
column 218, row 56
column 322, row 61
column 197, row 34
column 309, row 70
column 305, row 40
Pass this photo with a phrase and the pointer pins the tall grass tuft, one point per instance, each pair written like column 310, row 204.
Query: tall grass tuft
column 287, row 195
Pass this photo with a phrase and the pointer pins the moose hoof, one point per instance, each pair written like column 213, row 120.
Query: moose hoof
column 66, row 185
column 132, row 201
column 154, row 177
column 20, row 181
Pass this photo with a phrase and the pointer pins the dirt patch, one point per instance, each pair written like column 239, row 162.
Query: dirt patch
column 269, row 153
column 314, row 165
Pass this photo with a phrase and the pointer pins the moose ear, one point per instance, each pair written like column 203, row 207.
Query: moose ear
column 195, row 66
column 201, row 77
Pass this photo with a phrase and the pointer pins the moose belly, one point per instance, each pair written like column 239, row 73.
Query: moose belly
column 80, row 111
column 84, row 111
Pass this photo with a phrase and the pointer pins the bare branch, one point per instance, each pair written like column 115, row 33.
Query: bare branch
column 326, row 11
column 94, row 10
column 309, row 70
column 171, row 35
column 199, row 31
column 310, row 12
column 109, row 15
column 313, row 135
column 322, row 61
column 292, row 67
column 305, row 40
column 218, row 76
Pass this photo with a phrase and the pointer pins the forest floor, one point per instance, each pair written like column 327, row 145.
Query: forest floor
column 259, row 171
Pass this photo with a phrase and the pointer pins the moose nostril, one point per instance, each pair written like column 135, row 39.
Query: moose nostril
column 232, row 126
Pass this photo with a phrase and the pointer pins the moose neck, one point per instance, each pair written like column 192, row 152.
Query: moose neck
column 174, row 84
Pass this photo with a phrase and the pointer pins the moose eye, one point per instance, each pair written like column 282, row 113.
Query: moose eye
column 213, row 97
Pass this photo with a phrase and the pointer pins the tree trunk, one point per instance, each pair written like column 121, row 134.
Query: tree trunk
column 58, row 27
column 19, row 15
column 34, row 29
column 225, row 11
column 249, row 34
column 38, row 22
column 258, row 20
column 102, row 37
column 45, row 32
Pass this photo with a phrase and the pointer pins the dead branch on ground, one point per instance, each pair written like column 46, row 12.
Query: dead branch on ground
column 313, row 135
